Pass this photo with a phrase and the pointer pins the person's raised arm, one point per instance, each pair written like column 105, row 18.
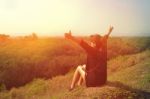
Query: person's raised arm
column 109, row 31
column 69, row 36
column 81, row 42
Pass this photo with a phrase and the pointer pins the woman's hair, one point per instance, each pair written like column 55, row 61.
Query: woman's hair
column 97, row 38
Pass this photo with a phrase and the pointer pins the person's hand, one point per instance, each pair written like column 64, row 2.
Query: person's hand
column 110, row 29
column 68, row 35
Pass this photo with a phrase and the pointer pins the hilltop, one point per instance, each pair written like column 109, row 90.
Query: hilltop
column 129, row 80
column 42, row 68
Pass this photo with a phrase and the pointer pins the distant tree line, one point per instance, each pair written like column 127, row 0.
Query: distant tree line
column 5, row 37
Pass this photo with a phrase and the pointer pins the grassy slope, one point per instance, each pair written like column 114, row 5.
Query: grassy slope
column 130, row 79
column 22, row 60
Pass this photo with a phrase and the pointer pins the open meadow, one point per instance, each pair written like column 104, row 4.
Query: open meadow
column 42, row 68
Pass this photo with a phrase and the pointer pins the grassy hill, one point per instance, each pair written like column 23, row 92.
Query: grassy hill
column 42, row 68
column 128, row 78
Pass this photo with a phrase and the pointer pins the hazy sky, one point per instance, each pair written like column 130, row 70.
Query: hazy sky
column 83, row 17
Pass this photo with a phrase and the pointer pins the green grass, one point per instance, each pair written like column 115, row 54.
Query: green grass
column 132, row 81
column 22, row 60
column 39, row 69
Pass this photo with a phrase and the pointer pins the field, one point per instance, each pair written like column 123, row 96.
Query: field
column 42, row 68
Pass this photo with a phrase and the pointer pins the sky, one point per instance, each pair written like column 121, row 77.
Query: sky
column 82, row 17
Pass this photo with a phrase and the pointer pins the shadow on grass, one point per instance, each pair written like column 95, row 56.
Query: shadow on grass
column 141, row 94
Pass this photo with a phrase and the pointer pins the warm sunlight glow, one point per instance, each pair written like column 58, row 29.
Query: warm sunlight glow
column 83, row 17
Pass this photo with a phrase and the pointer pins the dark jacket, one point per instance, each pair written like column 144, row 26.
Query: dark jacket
column 96, row 64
